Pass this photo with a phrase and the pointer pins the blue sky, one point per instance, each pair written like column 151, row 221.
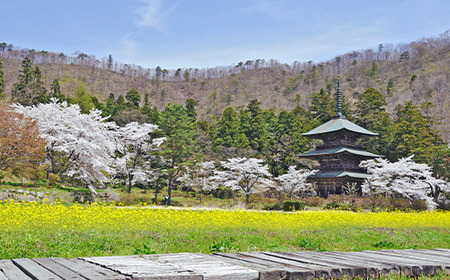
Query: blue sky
column 209, row 33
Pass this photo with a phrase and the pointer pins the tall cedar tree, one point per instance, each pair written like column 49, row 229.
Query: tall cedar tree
column 179, row 148
column 30, row 89
column 254, row 126
column 20, row 141
column 371, row 114
column 228, row 129
column 2, row 81
column 21, row 91
column 413, row 135
column 323, row 106
column 133, row 98
column 55, row 91
column 37, row 87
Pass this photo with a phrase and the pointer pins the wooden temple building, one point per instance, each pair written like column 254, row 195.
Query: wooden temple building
column 339, row 156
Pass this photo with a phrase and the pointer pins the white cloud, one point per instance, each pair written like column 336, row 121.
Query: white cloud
column 152, row 13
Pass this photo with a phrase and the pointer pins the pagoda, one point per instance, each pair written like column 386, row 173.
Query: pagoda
column 339, row 156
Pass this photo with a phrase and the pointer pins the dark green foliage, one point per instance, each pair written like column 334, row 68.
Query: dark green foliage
column 37, row 87
column 291, row 205
column 272, row 206
column 228, row 129
column 222, row 246
column 370, row 114
column 120, row 104
column 308, row 244
column 29, row 89
column 145, row 250
column 412, row 134
column 190, row 108
column 133, row 97
column 323, row 106
column 179, row 147
column 55, row 91
column 2, row 81
column 253, row 125
column 390, row 87
column 344, row 206
column 383, row 244
column 83, row 99
column 109, row 108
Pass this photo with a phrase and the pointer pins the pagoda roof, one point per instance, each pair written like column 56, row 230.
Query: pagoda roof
column 338, row 150
column 337, row 124
column 340, row 174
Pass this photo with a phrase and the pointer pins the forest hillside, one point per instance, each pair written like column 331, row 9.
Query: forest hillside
column 417, row 71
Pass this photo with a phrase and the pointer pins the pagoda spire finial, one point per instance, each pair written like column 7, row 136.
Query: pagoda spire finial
column 339, row 101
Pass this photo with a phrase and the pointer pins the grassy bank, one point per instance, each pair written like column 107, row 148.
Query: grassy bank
column 30, row 230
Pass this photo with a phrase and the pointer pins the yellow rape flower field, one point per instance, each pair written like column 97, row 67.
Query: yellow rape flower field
column 29, row 230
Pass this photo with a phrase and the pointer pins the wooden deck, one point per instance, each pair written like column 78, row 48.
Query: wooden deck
column 227, row 266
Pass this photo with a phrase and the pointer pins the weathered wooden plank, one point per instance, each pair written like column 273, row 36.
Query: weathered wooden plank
column 421, row 256
column 34, row 270
column 297, row 269
column 408, row 268
column 270, row 270
column 11, row 271
column 209, row 268
column 140, row 268
column 3, row 276
column 89, row 270
column 428, row 267
column 58, row 269
column 337, row 270
column 434, row 252
column 372, row 268
column 265, row 272
column 426, row 254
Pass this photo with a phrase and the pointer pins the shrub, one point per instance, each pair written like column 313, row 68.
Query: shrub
column 345, row 206
column 272, row 206
column 291, row 205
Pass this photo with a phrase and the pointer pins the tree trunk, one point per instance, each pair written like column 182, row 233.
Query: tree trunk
column 130, row 178
column 169, row 190
column 156, row 193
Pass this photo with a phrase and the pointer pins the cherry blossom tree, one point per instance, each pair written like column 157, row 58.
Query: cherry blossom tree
column 294, row 181
column 134, row 147
column 200, row 177
column 246, row 175
column 404, row 178
column 79, row 145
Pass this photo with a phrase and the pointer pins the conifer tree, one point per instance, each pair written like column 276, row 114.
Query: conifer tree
column 371, row 114
column 133, row 98
column 228, row 129
column 55, row 91
column 21, row 92
column 323, row 106
column 413, row 135
column 2, row 81
column 37, row 87
column 254, row 126
column 179, row 148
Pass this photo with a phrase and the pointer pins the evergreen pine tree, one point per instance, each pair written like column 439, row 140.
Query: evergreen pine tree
column 2, row 81
column 21, row 92
column 180, row 144
column 55, row 91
